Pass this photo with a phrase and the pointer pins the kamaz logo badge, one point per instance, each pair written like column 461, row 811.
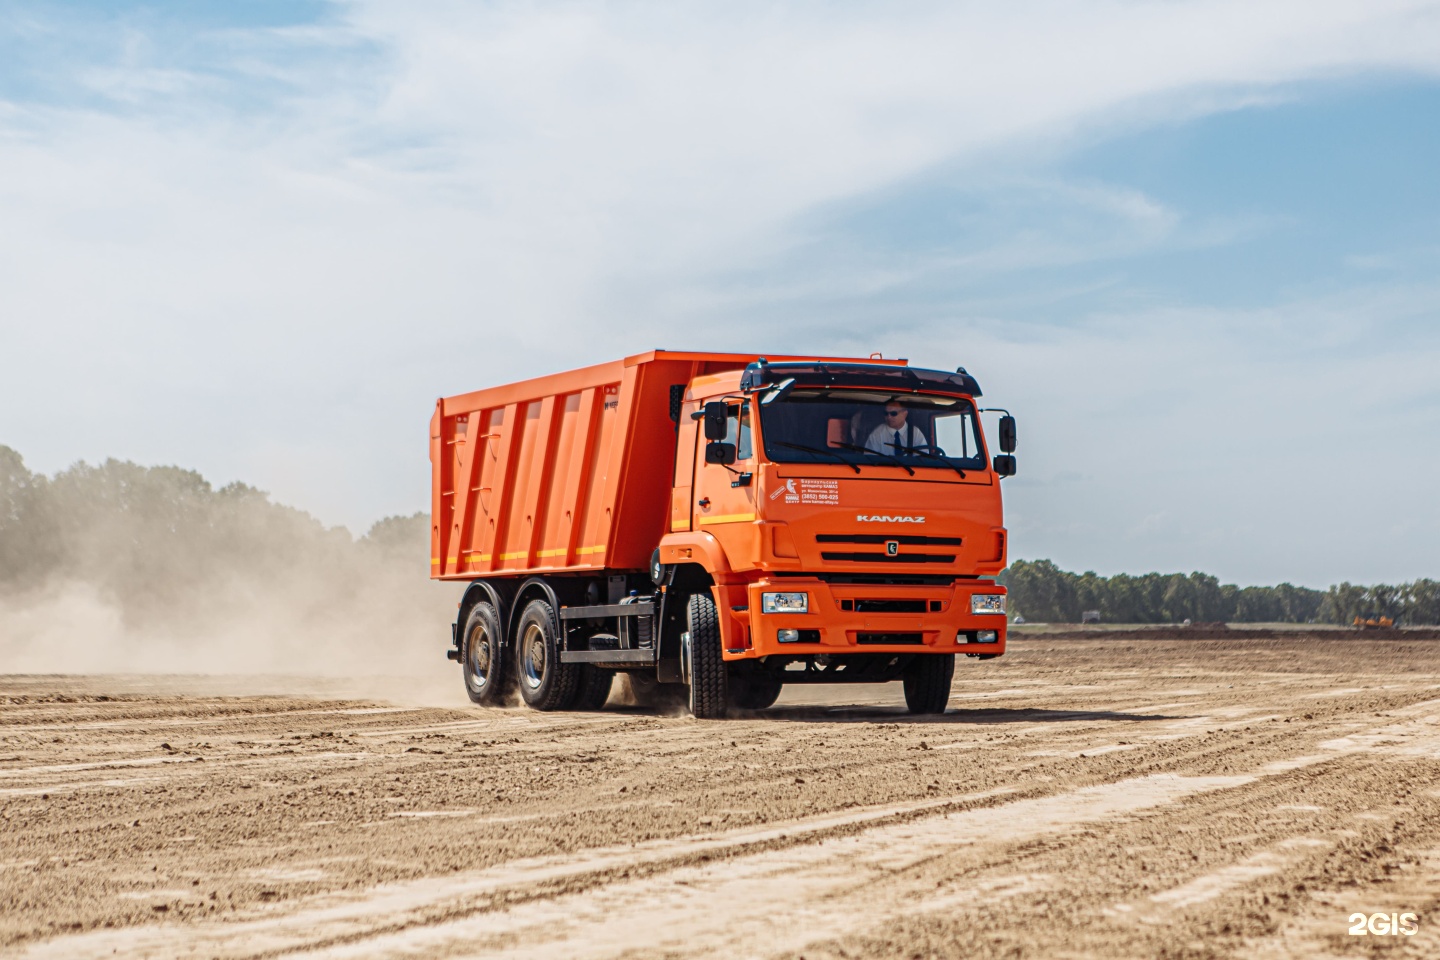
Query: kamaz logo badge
column 881, row 518
column 892, row 548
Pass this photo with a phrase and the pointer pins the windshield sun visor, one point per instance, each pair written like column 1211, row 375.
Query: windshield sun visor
column 874, row 376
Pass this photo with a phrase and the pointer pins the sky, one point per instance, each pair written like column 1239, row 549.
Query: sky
column 1193, row 247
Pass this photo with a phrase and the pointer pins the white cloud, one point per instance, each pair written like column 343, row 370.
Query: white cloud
column 266, row 265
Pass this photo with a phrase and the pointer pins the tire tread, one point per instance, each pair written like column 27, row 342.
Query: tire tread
column 562, row 681
column 707, row 664
column 927, row 683
column 495, row 691
column 593, row 689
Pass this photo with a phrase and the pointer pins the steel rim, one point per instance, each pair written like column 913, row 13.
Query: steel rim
column 481, row 656
column 532, row 656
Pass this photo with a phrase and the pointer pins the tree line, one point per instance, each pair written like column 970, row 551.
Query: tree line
column 1042, row 592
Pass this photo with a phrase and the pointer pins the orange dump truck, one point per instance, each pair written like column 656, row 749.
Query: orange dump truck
column 725, row 522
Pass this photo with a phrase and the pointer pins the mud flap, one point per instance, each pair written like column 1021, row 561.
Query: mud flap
column 668, row 671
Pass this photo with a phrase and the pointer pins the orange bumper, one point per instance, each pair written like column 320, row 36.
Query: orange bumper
column 862, row 618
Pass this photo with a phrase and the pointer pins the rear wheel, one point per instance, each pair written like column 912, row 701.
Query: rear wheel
column 482, row 660
column 594, row 687
column 927, row 683
column 705, row 665
column 545, row 682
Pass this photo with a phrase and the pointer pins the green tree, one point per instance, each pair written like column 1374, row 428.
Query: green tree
column 1041, row 592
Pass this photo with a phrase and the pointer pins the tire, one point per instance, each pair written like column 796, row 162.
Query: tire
column 754, row 691
column 927, row 683
column 706, row 665
column 594, row 687
column 545, row 682
column 482, row 657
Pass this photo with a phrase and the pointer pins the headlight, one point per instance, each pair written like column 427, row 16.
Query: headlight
column 787, row 636
column 786, row 603
column 986, row 636
column 987, row 603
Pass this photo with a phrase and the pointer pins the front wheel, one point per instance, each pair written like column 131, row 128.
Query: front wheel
column 927, row 683
column 705, row 666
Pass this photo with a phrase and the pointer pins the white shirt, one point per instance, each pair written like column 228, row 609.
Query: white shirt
column 882, row 438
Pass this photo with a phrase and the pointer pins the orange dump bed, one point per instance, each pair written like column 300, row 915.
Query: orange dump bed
column 570, row 472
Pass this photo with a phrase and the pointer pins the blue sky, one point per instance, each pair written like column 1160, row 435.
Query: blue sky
column 1193, row 246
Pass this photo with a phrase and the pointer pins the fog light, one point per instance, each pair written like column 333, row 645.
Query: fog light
column 986, row 636
column 987, row 603
column 787, row 636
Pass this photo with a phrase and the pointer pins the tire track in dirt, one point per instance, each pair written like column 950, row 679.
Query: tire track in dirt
column 839, row 884
column 435, row 799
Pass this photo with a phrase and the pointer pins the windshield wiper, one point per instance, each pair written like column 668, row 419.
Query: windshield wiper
column 876, row 453
column 923, row 451
column 819, row 450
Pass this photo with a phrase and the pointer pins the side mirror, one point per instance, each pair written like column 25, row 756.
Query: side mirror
column 1005, row 465
column 715, row 413
column 1007, row 435
column 717, row 452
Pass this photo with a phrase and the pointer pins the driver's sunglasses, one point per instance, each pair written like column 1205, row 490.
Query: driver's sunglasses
column 893, row 413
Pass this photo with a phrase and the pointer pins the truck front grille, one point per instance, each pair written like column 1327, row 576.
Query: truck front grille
column 910, row 539
column 884, row 606
column 889, row 639
column 886, row 558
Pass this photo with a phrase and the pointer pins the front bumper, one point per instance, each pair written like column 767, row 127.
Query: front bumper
column 864, row 618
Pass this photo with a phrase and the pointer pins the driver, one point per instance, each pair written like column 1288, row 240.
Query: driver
column 896, row 433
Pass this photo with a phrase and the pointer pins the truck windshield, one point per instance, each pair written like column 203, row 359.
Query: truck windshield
column 862, row 427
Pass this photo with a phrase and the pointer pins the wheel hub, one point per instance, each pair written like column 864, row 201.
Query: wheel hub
column 534, row 660
column 480, row 656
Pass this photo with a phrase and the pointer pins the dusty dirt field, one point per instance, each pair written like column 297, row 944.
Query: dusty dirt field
column 1082, row 798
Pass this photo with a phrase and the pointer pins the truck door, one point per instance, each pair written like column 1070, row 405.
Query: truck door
column 724, row 498
column 680, row 491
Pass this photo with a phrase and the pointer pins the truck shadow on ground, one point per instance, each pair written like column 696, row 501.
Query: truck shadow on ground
column 986, row 715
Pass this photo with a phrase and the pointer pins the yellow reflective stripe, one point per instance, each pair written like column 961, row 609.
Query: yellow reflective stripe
column 483, row 557
column 434, row 561
column 729, row 518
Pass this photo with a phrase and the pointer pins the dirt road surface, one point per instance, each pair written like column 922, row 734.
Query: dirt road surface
column 1082, row 798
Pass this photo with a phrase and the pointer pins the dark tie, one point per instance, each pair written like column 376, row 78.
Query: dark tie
column 897, row 441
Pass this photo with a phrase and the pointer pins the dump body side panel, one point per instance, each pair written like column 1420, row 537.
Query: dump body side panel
column 566, row 473
column 521, row 478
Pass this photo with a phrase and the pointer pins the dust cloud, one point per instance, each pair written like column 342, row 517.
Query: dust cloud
column 120, row 568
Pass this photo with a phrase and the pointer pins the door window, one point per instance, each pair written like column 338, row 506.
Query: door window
column 737, row 431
